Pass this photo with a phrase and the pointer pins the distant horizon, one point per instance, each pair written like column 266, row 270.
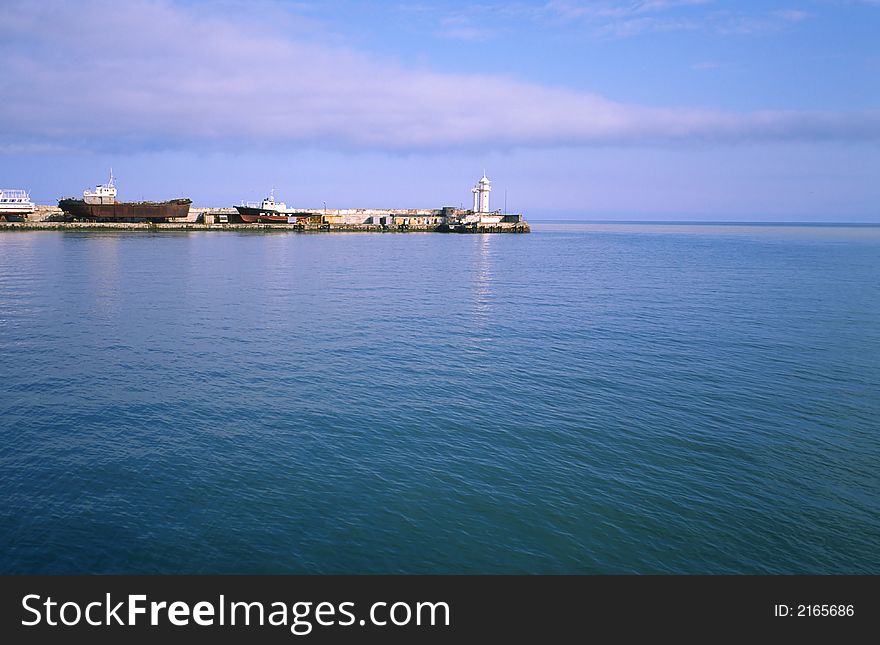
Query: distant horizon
column 703, row 109
column 706, row 221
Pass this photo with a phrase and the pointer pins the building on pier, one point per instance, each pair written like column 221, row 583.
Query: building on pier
column 481, row 194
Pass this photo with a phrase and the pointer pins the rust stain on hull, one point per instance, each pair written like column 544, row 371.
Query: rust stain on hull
column 154, row 211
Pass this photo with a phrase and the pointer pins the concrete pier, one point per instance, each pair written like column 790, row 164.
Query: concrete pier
column 521, row 227
column 360, row 220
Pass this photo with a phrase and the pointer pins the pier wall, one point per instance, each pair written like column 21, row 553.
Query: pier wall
column 292, row 228
column 343, row 220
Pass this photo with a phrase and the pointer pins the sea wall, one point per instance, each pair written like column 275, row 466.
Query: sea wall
column 503, row 227
column 341, row 220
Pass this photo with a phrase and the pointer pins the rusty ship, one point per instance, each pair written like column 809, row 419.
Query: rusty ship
column 100, row 204
column 268, row 211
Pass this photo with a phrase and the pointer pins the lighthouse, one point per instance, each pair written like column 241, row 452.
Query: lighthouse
column 481, row 194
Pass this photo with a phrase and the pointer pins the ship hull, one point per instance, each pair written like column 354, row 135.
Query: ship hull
column 126, row 211
column 11, row 209
column 16, row 212
column 251, row 215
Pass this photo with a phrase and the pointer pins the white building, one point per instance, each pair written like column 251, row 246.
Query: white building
column 481, row 194
column 481, row 213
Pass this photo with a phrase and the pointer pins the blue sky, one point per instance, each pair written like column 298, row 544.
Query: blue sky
column 605, row 109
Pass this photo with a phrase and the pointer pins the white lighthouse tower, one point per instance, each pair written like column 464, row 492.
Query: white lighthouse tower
column 481, row 194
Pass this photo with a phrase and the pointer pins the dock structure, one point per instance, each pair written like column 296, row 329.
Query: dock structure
column 403, row 225
column 447, row 219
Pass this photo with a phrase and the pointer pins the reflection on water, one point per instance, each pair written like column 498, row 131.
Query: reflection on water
column 102, row 270
column 484, row 278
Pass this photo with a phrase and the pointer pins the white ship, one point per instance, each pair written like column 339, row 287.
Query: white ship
column 15, row 202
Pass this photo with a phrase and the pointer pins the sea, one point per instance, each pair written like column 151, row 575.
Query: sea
column 591, row 398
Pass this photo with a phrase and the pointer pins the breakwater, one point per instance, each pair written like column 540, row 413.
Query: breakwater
column 501, row 227
column 342, row 220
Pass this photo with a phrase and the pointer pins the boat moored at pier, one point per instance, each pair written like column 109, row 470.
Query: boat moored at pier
column 100, row 204
column 15, row 203
column 268, row 211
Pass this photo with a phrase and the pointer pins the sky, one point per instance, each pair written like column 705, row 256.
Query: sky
column 576, row 109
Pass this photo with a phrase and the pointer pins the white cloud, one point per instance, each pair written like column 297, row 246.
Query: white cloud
column 627, row 18
column 646, row 24
column 791, row 15
column 153, row 74
column 463, row 28
column 577, row 9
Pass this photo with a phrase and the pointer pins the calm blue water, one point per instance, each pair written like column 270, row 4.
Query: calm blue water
column 588, row 398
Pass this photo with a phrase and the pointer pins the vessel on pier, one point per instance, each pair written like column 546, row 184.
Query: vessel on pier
column 101, row 204
column 268, row 210
column 15, row 203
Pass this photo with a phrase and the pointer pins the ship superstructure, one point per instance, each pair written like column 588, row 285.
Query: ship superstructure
column 103, row 193
column 15, row 202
